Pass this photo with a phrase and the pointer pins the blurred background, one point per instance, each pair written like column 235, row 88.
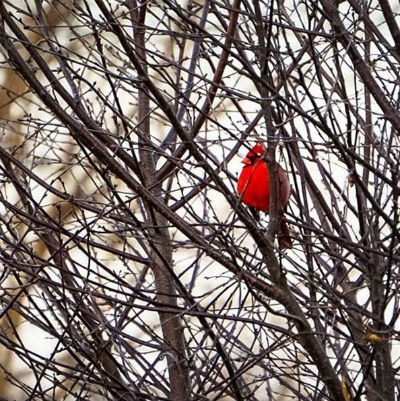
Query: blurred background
column 130, row 270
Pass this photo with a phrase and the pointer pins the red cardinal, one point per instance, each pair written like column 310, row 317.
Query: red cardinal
column 253, row 187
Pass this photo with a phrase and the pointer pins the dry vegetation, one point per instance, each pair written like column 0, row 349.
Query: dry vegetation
column 130, row 270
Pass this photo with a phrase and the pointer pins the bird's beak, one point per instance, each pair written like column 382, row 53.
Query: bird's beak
column 246, row 161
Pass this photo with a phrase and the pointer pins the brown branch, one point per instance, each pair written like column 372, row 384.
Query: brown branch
column 392, row 24
column 346, row 39
column 171, row 323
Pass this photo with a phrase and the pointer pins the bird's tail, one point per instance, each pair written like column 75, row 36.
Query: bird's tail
column 284, row 240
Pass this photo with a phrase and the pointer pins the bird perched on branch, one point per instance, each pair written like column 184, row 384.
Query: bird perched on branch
column 253, row 188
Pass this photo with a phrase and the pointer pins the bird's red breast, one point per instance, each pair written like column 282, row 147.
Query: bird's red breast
column 253, row 183
column 253, row 188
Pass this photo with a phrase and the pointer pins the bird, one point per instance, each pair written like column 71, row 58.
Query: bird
column 253, row 189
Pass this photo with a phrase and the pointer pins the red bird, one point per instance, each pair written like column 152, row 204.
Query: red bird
column 253, row 188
